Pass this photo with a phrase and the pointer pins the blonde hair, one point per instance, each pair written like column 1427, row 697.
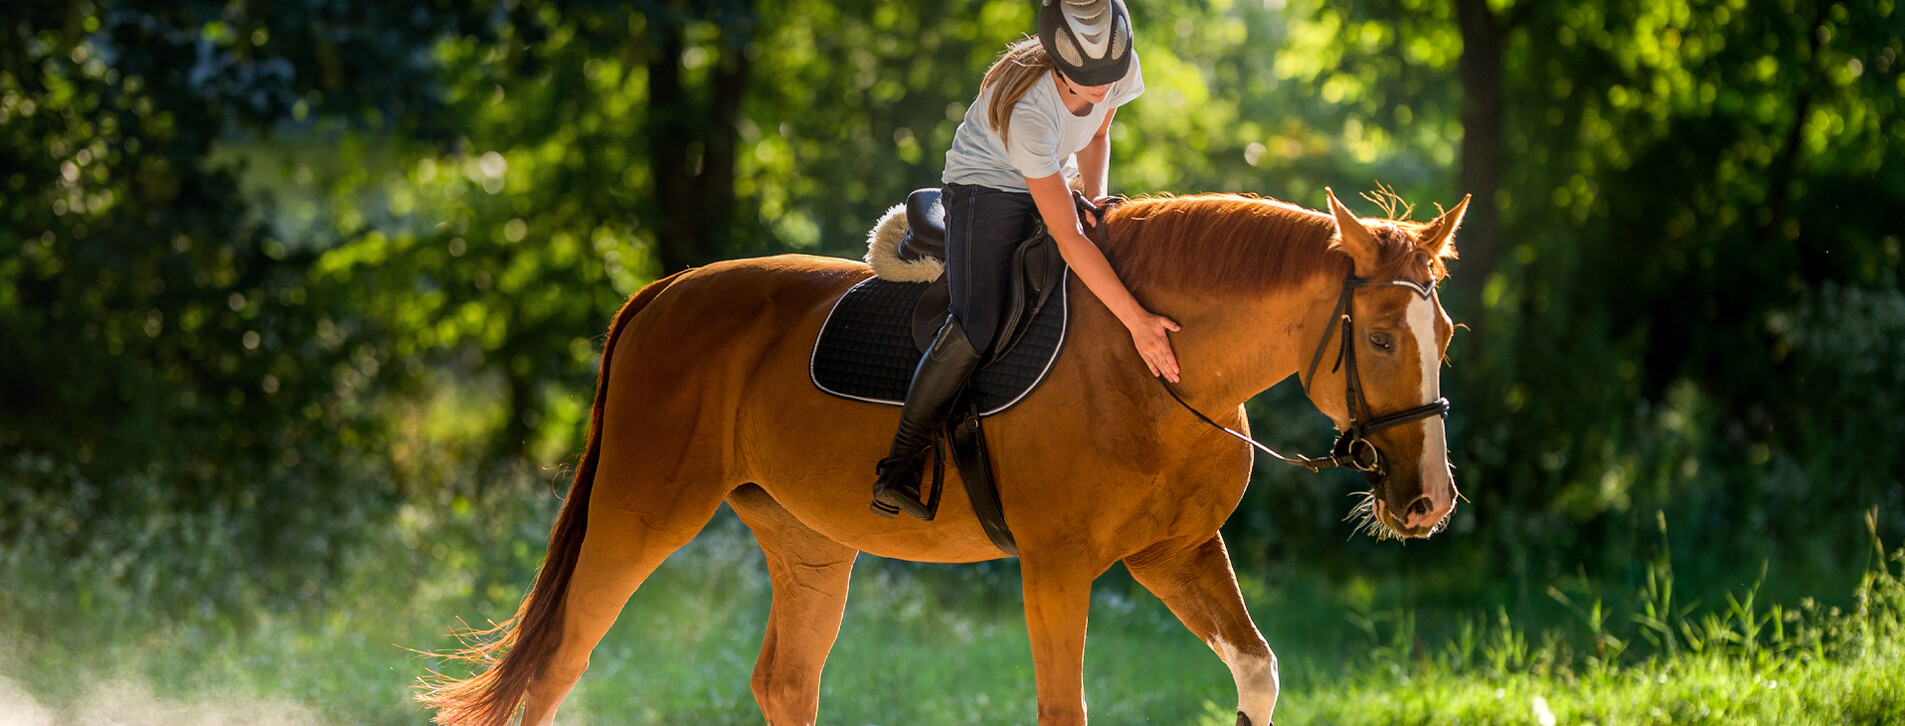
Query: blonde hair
column 1023, row 65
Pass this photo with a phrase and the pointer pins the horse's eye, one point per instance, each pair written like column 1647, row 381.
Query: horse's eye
column 1381, row 341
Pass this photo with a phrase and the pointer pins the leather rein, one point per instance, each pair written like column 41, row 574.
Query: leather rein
column 1352, row 448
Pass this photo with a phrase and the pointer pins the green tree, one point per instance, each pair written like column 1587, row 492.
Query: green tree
column 172, row 383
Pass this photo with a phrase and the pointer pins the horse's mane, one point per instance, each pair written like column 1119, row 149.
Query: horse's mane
column 1234, row 244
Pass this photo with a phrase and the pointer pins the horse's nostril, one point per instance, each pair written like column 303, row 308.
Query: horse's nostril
column 1422, row 506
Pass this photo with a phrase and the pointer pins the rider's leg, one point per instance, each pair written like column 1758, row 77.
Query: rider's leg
column 982, row 227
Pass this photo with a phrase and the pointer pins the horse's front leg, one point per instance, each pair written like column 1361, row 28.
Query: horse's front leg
column 1199, row 586
column 1057, row 600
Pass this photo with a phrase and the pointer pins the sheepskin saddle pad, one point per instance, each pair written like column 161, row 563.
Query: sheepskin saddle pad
column 878, row 330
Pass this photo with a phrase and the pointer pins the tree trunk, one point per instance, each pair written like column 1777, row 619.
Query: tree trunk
column 729, row 78
column 1480, row 71
column 672, row 137
column 692, row 144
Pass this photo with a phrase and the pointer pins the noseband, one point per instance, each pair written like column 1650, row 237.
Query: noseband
column 1353, row 449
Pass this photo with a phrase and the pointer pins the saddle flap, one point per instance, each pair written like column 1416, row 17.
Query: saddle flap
column 929, row 314
column 1038, row 270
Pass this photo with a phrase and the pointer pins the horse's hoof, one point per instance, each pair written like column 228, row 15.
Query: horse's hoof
column 883, row 509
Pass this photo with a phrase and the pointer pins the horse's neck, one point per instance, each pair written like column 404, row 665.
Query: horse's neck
column 1249, row 321
column 1231, row 350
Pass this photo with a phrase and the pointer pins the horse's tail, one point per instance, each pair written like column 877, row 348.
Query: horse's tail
column 525, row 641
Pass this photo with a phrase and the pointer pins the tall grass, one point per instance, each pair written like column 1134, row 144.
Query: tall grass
column 1653, row 660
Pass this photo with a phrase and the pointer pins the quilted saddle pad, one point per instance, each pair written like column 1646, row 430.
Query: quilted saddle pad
column 866, row 351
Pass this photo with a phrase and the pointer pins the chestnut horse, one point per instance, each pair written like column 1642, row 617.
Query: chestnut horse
column 703, row 397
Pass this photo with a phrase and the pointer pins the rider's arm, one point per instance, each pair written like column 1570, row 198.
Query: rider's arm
column 1094, row 160
column 1148, row 331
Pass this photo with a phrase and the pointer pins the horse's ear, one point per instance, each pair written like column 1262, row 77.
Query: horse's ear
column 1355, row 239
column 1438, row 237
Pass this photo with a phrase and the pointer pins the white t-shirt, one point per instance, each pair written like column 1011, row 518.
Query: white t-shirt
column 1046, row 136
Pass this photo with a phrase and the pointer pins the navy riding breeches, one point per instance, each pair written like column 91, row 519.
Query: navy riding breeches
column 983, row 227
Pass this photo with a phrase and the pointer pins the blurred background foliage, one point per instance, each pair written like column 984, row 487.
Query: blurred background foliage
column 285, row 287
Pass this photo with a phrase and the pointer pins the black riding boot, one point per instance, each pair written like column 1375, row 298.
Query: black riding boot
column 929, row 399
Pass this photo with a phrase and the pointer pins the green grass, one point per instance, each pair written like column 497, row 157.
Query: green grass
column 1739, row 662
column 947, row 645
column 1698, row 690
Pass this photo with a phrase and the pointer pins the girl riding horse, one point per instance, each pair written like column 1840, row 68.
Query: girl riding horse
column 1043, row 114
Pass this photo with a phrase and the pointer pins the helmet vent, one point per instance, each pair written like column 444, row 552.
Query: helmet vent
column 1068, row 50
column 1089, row 21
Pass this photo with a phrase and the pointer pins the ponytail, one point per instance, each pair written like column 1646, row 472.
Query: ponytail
column 1024, row 64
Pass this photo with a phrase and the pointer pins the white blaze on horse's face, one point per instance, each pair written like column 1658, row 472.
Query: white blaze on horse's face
column 1431, row 329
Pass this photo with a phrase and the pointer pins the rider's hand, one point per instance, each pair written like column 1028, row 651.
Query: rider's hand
column 1090, row 212
column 1101, row 205
column 1151, row 335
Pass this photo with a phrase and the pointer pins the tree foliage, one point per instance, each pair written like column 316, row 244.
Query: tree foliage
column 256, row 261
column 173, row 381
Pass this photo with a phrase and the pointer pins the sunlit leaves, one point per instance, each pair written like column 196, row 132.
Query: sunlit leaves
column 262, row 260
column 165, row 343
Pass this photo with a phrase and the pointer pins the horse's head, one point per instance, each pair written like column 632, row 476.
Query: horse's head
column 1389, row 343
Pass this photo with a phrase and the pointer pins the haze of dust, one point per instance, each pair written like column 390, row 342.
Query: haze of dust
column 125, row 703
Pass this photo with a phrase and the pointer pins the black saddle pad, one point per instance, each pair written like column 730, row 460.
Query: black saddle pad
column 866, row 350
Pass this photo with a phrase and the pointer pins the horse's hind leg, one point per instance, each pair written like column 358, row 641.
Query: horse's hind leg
column 632, row 527
column 810, row 574
column 1199, row 586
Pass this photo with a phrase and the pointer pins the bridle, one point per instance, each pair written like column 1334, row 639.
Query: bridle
column 1353, row 449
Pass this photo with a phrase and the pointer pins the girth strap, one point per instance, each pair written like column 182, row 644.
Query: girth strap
column 968, row 440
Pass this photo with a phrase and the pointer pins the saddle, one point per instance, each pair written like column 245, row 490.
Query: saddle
column 877, row 331
column 919, row 253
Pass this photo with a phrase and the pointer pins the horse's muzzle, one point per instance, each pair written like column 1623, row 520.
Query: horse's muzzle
column 1420, row 516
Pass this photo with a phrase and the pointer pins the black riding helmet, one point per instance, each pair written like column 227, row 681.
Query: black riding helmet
column 1089, row 40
